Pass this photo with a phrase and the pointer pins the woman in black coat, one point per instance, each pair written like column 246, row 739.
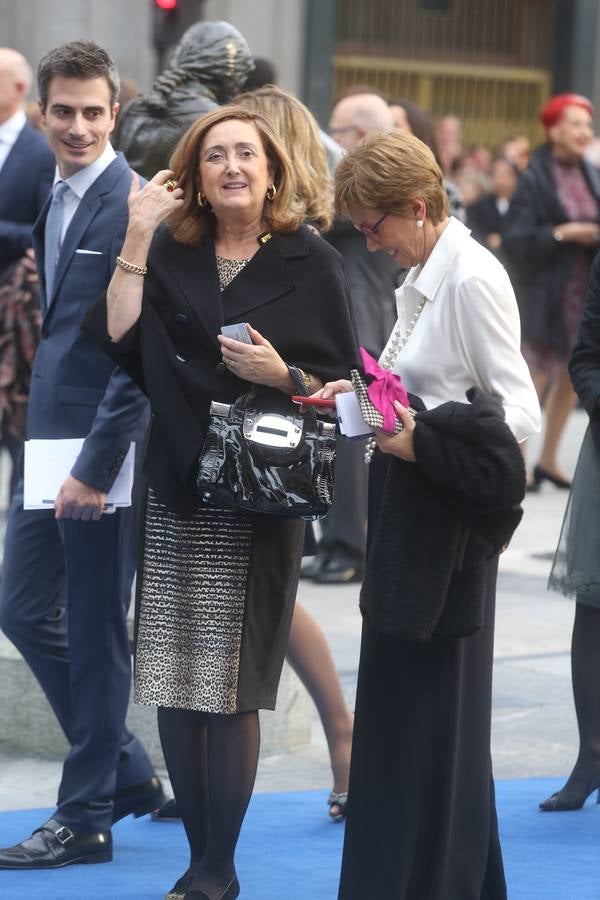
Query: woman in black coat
column 550, row 237
column 576, row 568
column 216, row 588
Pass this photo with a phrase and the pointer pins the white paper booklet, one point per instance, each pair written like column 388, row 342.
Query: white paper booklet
column 47, row 464
column 352, row 424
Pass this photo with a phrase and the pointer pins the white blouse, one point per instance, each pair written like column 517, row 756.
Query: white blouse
column 468, row 333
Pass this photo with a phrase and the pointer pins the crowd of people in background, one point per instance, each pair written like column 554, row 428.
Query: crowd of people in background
column 537, row 212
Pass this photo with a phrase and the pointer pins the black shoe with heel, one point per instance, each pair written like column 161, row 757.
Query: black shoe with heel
column 541, row 474
column 569, row 799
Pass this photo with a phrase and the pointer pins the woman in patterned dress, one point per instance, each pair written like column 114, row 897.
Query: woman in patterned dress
column 216, row 588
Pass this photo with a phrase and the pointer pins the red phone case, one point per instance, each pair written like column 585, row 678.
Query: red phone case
column 313, row 401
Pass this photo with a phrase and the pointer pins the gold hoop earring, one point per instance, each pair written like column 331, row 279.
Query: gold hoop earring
column 271, row 192
column 201, row 199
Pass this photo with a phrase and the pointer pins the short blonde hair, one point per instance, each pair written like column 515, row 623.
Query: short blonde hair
column 191, row 222
column 296, row 126
column 391, row 171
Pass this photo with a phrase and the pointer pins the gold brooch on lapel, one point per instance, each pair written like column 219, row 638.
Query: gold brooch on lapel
column 265, row 237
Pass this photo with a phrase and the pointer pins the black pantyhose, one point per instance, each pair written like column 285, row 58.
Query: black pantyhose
column 212, row 762
column 585, row 669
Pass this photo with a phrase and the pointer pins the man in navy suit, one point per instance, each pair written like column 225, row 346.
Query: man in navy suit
column 73, row 564
column 26, row 161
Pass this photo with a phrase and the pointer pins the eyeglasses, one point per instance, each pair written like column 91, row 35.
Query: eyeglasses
column 370, row 231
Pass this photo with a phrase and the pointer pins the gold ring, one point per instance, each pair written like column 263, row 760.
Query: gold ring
column 170, row 185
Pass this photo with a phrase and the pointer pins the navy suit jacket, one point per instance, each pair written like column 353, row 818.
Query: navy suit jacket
column 25, row 182
column 76, row 391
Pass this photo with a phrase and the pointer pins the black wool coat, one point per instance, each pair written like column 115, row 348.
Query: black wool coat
column 539, row 264
column 293, row 291
column 434, row 524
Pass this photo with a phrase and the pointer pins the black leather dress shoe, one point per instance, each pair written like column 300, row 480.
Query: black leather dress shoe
column 339, row 569
column 139, row 799
column 54, row 845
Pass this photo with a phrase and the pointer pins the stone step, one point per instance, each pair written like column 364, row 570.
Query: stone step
column 28, row 725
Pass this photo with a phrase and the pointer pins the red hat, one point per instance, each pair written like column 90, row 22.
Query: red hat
column 552, row 112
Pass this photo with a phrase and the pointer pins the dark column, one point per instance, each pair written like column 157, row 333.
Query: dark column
column 577, row 51
column 320, row 49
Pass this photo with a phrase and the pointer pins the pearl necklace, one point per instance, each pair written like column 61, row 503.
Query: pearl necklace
column 395, row 345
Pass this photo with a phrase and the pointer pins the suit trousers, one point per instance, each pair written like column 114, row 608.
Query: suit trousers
column 64, row 595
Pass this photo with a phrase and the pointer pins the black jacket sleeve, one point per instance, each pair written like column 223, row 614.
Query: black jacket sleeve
column 527, row 232
column 584, row 366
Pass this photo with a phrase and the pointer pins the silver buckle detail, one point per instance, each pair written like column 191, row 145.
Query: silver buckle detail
column 64, row 835
column 272, row 430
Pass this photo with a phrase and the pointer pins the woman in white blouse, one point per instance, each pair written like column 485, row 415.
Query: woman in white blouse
column 444, row 497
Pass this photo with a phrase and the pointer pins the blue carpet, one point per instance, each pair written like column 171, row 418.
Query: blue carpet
column 289, row 851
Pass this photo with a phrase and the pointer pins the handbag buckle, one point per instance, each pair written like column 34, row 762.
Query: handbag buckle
column 220, row 409
column 272, row 430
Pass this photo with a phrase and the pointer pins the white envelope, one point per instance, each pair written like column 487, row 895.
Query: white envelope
column 49, row 462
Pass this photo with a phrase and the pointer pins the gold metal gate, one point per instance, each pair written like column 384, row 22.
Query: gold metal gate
column 486, row 61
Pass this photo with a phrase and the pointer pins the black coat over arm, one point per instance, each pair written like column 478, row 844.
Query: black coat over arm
column 292, row 291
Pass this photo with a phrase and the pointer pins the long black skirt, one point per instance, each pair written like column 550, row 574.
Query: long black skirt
column 422, row 817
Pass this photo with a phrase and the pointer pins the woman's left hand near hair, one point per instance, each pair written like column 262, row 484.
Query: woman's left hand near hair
column 257, row 362
column 400, row 445
column 154, row 202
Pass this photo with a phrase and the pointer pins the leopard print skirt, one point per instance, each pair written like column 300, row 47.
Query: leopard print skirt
column 191, row 608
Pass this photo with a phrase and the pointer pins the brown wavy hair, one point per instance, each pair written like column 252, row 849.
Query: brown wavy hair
column 296, row 126
column 191, row 222
column 391, row 171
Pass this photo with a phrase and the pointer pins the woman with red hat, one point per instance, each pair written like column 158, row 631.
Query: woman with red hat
column 552, row 234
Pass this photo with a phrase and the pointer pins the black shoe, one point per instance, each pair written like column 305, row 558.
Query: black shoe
column 541, row 474
column 340, row 569
column 230, row 892
column 168, row 812
column 568, row 800
column 179, row 889
column 54, row 845
column 139, row 799
column 311, row 566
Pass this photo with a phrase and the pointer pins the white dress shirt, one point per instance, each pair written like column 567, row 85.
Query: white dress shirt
column 79, row 184
column 468, row 333
column 9, row 132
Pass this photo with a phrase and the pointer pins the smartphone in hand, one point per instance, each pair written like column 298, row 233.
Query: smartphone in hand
column 238, row 332
column 313, row 401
